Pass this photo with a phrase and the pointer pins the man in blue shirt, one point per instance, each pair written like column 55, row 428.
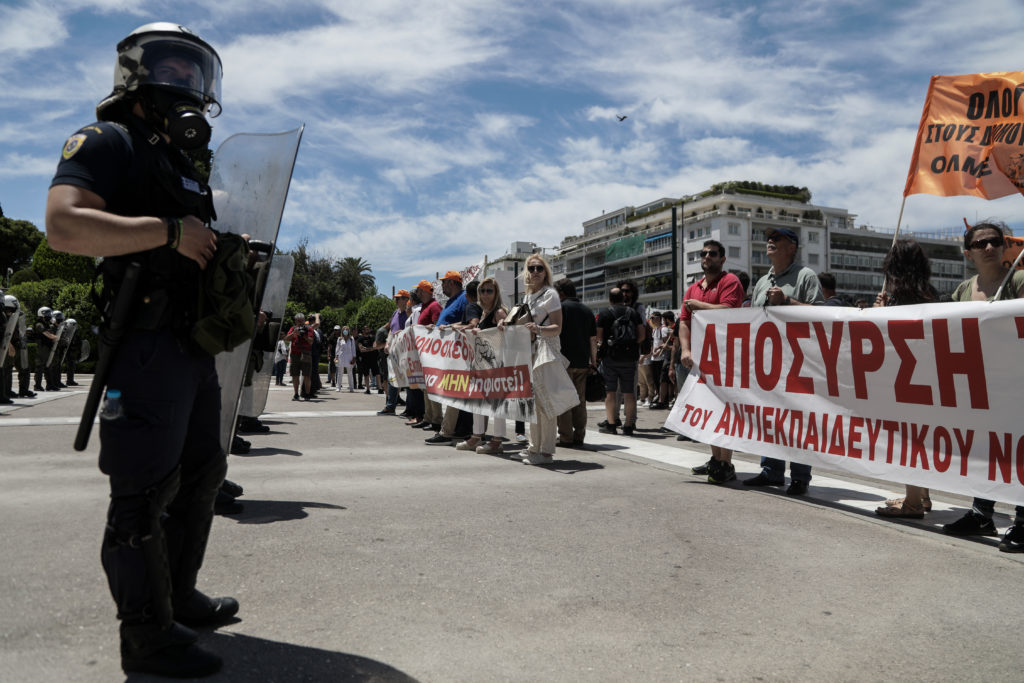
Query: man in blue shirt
column 451, row 285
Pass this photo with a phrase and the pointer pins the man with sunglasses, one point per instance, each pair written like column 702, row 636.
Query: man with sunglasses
column 787, row 284
column 984, row 246
column 717, row 289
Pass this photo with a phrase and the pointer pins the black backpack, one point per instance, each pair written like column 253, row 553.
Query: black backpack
column 622, row 339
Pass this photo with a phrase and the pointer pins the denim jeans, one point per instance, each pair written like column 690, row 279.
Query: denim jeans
column 392, row 397
column 775, row 470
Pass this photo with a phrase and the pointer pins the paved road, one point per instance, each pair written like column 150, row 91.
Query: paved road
column 363, row 554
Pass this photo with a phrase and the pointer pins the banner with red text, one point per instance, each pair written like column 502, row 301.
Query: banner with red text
column 971, row 137
column 481, row 371
column 924, row 395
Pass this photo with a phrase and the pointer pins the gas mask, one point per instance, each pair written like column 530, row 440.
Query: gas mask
column 176, row 115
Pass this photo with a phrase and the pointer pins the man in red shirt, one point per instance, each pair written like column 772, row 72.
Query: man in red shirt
column 717, row 289
column 301, row 338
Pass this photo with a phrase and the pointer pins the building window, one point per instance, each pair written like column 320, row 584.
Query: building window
column 734, row 252
column 692, row 236
column 812, row 259
column 812, row 236
column 734, row 228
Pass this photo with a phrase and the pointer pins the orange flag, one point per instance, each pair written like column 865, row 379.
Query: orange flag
column 971, row 138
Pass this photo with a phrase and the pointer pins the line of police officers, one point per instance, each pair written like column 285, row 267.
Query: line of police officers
column 57, row 342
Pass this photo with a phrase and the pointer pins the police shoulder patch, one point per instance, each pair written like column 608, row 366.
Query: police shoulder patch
column 73, row 144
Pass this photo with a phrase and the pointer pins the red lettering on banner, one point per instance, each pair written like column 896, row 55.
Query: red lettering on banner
column 891, row 427
column 780, row 426
column 812, row 433
column 917, row 447
column 723, row 422
column 740, row 333
column 795, row 383
column 942, row 448
column 797, row 438
column 768, row 380
column 1020, row 326
column 686, row 413
column 899, row 332
column 824, row 432
column 964, row 446
column 863, row 362
column 969, row 362
column 837, row 445
column 874, row 429
column 856, row 423
column 1001, row 456
column 830, row 353
column 757, row 421
column 738, row 422
column 709, row 356
column 749, row 409
column 767, row 414
column 903, row 444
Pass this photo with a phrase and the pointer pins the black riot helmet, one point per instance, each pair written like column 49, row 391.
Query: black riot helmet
column 174, row 74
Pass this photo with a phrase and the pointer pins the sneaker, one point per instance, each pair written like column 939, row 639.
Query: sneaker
column 797, row 488
column 439, row 440
column 720, row 472
column 761, row 480
column 489, row 448
column 386, row 411
column 521, row 438
column 467, row 445
column 971, row 524
column 627, row 430
column 702, row 470
column 1013, row 540
column 538, row 459
column 606, row 428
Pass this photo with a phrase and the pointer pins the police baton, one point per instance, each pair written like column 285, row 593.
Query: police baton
column 110, row 339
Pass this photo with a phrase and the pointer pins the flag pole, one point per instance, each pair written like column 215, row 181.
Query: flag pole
column 899, row 221
column 1009, row 274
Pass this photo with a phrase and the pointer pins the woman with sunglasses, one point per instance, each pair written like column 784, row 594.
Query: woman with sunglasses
column 985, row 246
column 907, row 281
column 546, row 310
column 492, row 313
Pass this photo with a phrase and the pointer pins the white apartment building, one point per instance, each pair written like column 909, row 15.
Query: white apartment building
column 636, row 243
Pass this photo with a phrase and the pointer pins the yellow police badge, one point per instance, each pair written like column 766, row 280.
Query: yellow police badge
column 72, row 146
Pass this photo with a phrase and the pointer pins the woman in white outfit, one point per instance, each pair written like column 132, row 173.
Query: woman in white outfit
column 345, row 357
column 546, row 311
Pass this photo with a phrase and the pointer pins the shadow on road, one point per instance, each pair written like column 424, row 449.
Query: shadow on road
column 247, row 658
column 267, row 511
column 267, row 450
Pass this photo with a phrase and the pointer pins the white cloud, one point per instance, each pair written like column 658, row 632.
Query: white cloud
column 21, row 165
column 29, row 27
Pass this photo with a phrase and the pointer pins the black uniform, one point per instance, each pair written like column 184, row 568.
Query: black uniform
column 163, row 456
column 44, row 345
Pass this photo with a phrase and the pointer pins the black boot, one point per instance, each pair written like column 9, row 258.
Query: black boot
column 150, row 648
column 201, row 610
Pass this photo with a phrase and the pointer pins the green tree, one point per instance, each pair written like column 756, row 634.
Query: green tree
column 18, row 241
column 50, row 264
column 356, row 278
column 35, row 295
column 75, row 301
column 374, row 312
column 24, row 275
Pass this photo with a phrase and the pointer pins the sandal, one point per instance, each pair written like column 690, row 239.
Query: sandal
column 902, row 510
column 926, row 503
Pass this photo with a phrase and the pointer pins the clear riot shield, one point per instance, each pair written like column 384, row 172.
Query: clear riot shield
column 70, row 328
column 250, row 178
column 254, row 396
column 8, row 334
column 83, row 355
column 56, row 343
column 23, row 336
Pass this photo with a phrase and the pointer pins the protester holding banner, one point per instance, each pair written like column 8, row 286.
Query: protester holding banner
column 907, row 281
column 492, row 312
column 717, row 289
column 451, row 315
column 429, row 315
column 786, row 284
column 546, row 310
column 984, row 246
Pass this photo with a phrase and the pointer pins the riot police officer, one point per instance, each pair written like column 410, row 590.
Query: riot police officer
column 124, row 190
column 45, row 336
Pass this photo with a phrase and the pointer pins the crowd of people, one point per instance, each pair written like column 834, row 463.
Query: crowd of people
column 643, row 356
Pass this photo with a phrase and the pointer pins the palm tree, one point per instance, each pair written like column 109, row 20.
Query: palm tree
column 355, row 277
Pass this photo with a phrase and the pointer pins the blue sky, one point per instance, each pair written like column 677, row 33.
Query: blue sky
column 437, row 132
